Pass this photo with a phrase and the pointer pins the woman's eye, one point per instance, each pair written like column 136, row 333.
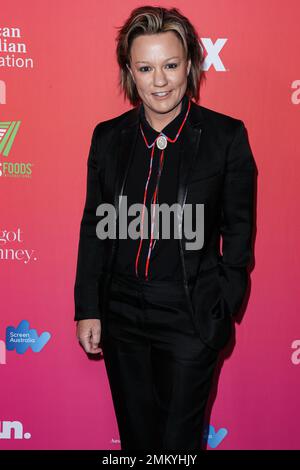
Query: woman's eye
column 142, row 69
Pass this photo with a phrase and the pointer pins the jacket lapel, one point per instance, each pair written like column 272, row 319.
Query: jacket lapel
column 125, row 154
column 188, row 153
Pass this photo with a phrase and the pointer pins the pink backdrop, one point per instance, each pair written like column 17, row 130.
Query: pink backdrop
column 64, row 82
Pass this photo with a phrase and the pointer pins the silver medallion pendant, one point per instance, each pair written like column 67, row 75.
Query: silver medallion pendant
column 161, row 142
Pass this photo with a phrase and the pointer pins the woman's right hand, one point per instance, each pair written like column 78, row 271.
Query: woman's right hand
column 88, row 334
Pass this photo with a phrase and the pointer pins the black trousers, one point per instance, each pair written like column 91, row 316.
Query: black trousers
column 159, row 370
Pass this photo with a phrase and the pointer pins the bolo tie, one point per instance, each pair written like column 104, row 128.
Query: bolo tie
column 161, row 142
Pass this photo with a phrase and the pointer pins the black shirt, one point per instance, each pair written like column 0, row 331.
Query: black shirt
column 164, row 262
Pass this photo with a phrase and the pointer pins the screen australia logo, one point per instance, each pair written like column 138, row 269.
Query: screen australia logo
column 22, row 338
column 8, row 133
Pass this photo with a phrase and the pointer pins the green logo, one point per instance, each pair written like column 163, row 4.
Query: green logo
column 8, row 132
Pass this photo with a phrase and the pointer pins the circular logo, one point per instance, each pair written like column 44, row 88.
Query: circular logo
column 161, row 142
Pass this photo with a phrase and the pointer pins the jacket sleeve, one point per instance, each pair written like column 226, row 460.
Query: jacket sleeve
column 90, row 247
column 237, row 221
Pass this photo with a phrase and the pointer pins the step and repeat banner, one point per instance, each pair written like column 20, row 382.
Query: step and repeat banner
column 58, row 79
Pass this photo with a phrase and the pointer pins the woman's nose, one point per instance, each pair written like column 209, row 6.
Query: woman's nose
column 159, row 78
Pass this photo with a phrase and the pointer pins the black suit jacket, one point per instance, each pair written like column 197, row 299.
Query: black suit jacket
column 217, row 169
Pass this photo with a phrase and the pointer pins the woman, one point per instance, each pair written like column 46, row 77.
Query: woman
column 160, row 309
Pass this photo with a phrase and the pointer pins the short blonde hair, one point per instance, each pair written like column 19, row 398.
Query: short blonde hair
column 154, row 20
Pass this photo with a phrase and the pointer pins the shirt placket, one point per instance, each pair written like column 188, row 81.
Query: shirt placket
column 149, row 200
